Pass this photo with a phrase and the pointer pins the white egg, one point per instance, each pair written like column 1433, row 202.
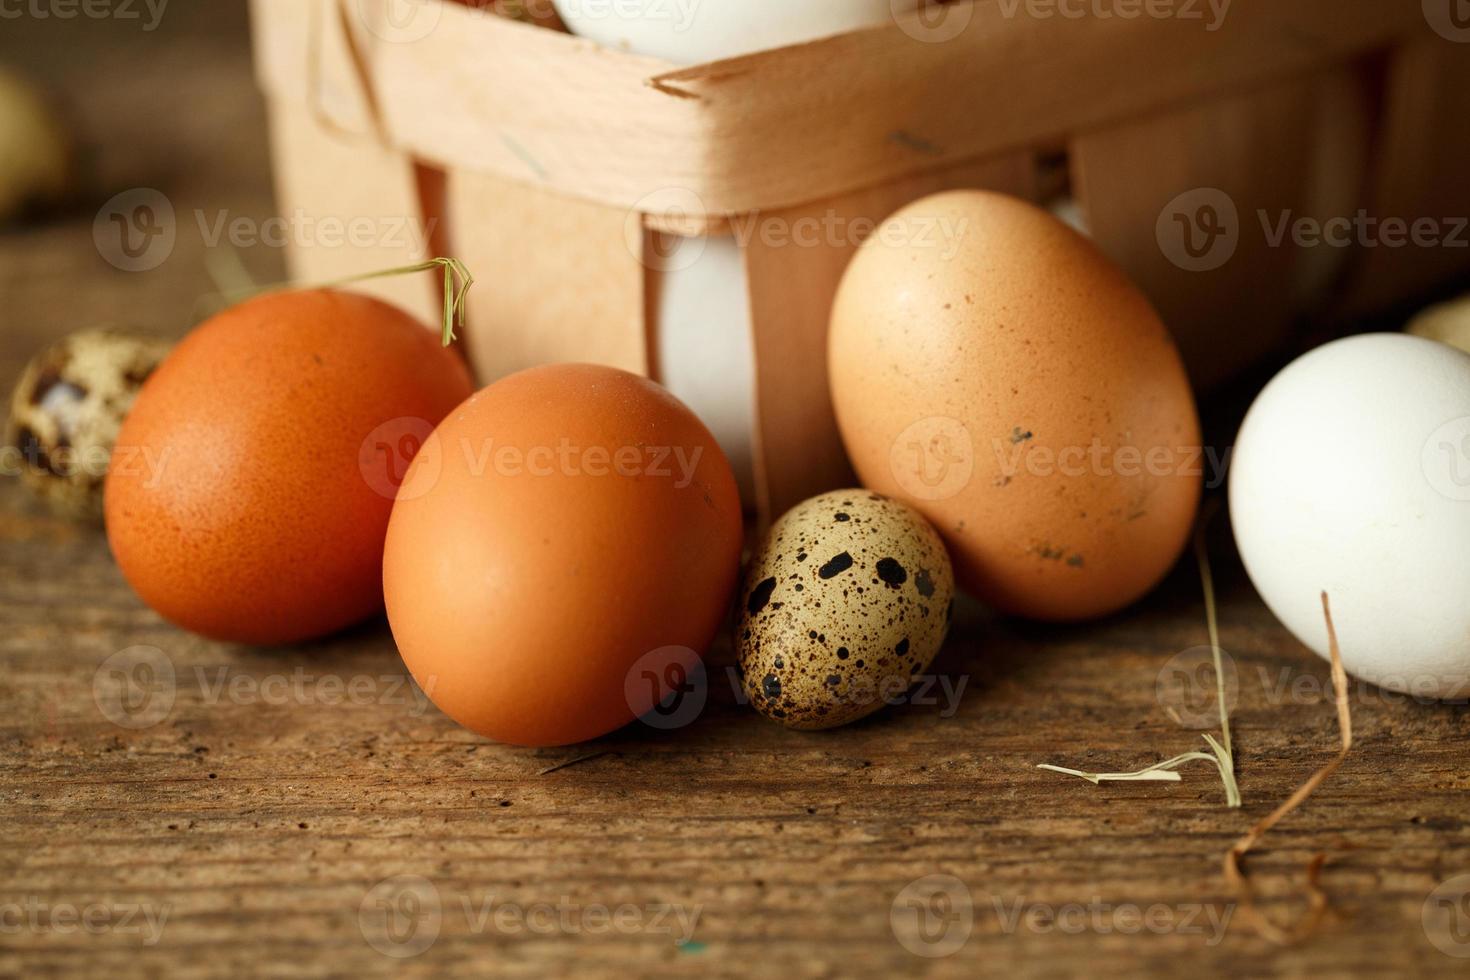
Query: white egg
column 1351, row 475
column 704, row 349
column 705, row 354
column 1070, row 212
column 693, row 31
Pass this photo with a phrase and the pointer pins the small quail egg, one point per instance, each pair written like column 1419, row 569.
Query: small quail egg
column 1448, row 323
column 66, row 411
column 845, row 603
column 36, row 154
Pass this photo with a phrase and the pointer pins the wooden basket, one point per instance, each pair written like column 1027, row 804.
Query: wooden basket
column 552, row 166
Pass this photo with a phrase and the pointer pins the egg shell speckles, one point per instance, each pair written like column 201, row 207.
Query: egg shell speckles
column 67, row 409
column 1016, row 389
column 845, row 603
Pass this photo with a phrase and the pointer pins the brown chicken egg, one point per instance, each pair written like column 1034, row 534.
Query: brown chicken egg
column 990, row 367
column 254, row 476
column 561, row 553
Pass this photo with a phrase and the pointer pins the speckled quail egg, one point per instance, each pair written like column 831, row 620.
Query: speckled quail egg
column 66, row 411
column 845, row 604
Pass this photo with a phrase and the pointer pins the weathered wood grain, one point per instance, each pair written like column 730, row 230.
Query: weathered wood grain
column 260, row 815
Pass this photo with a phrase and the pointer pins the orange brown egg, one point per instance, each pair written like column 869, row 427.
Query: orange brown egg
column 562, row 551
column 253, row 478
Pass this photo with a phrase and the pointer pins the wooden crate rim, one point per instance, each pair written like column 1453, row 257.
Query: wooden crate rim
column 780, row 127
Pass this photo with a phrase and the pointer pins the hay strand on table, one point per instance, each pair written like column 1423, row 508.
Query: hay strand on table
column 1234, row 870
column 1221, row 755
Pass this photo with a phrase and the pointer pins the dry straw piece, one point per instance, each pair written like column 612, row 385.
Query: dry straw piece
column 457, row 283
column 1223, row 757
column 1234, row 871
column 1221, row 750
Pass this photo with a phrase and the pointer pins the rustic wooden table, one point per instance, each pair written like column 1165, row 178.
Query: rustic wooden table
column 305, row 812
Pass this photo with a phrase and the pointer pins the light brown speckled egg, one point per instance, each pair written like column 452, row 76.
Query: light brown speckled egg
column 1007, row 379
column 67, row 409
column 846, row 602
